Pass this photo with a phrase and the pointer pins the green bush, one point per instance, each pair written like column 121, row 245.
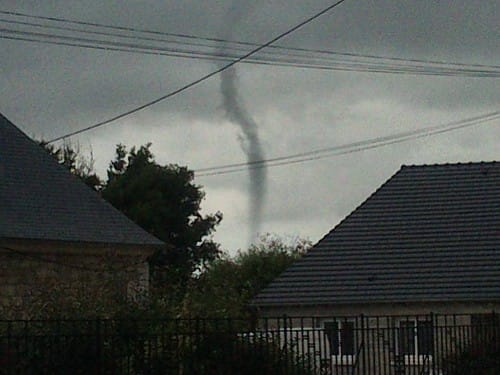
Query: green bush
column 226, row 353
column 479, row 358
column 58, row 347
column 145, row 347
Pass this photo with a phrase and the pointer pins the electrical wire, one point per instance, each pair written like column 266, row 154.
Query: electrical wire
column 348, row 148
column 203, row 78
column 212, row 40
column 127, row 47
column 105, row 47
column 297, row 62
column 114, row 27
column 310, row 61
column 306, row 62
column 483, row 117
column 102, row 33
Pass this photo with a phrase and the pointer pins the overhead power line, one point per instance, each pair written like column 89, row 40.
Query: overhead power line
column 207, row 42
column 275, row 58
column 349, row 147
column 274, row 55
column 205, row 77
column 135, row 33
column 115, row 27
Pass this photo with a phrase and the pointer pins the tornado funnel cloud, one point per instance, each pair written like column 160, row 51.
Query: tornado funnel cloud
column 250, row 143
column 238, row 114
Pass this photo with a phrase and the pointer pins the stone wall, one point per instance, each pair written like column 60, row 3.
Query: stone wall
column 41, row 279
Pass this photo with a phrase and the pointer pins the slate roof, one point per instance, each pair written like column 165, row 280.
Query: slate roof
column 41, row 200
column 430, row 233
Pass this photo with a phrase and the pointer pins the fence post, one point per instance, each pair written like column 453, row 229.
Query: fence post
column 98, row 345
column 496, row 339
column 362, row 345
column 433, row 333
column 285, row 339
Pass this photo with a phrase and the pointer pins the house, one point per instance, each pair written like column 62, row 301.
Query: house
column 417, row 259
column 58, row 236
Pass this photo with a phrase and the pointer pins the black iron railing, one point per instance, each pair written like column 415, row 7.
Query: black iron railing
column 395, row 345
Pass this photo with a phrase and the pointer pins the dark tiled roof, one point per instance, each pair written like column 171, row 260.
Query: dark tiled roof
column 430, row 233
column 41, row 200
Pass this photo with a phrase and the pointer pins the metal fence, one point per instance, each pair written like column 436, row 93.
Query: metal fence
column 395, row 345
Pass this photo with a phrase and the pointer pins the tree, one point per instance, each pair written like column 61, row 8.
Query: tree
column 164, row 201
column 70, row 157
column 228, row 284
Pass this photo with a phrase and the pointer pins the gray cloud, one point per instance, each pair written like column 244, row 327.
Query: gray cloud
column 48, row 90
